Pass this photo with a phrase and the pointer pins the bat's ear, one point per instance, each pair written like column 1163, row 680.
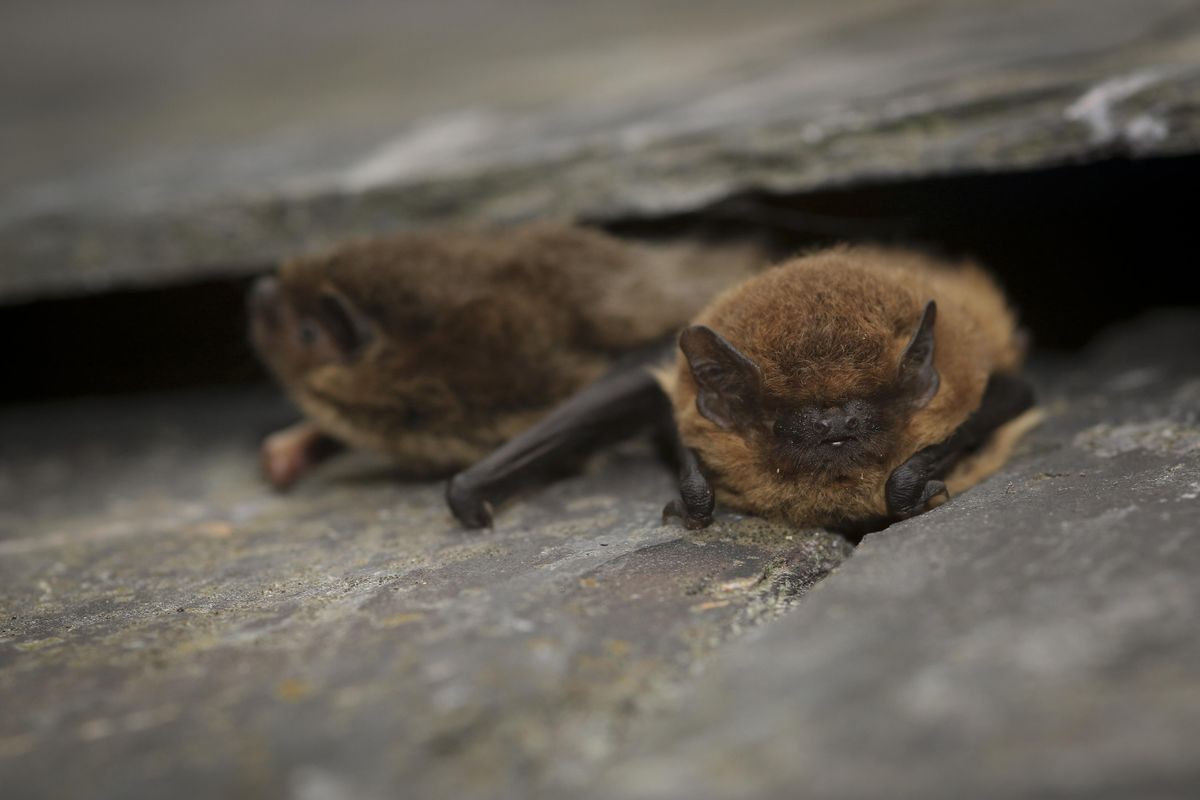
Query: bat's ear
column 728, row 383
column 918, row 377
column 348, row 326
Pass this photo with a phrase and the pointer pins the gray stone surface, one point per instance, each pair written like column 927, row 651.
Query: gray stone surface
column 146, row 144
column 1037, row 637
column 171, row 628
column 168, row 627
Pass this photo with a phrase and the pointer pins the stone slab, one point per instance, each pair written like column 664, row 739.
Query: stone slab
column 170, row 627
column 1036, row 637
column 148, row 148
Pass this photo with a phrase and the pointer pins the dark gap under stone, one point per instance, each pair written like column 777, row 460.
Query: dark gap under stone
column 1078, row 248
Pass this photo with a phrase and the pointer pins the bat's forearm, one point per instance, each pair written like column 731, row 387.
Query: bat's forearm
column 618, row 405
column 919, row 479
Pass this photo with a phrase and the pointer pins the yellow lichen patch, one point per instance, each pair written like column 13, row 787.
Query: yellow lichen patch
column 13, row 746
column 617, row 647
column 95, row 729
column 38, row 644
column 709, row 605
column 738, row 585
column 292, row 690
column 213, row 528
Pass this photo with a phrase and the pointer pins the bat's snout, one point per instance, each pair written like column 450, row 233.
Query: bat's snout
column 264, row 301
column 835, row 426
column 268, row 321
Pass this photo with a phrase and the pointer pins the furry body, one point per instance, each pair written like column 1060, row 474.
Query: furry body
column 459, row 340
column 829, row 330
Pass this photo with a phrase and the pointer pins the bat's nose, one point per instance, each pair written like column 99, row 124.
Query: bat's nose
column 835, row 425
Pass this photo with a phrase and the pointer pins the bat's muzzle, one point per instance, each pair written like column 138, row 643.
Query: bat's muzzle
column 835, row 427
column 264, row 302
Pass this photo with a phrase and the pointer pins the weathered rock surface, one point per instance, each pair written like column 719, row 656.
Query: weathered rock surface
column 147, row 147
column 1037, row 637
column 168, row 627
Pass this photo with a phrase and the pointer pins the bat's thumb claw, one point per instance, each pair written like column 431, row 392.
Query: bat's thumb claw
column 932, row 490
column 908, row 492
column 691, row 521
column 467, row 505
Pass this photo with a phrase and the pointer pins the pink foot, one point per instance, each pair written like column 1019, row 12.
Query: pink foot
column 289, row 453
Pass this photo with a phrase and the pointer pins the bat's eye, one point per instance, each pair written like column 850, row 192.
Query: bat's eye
column 308, row 332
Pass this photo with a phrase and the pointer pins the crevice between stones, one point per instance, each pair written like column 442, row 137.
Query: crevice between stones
column 1077, row 247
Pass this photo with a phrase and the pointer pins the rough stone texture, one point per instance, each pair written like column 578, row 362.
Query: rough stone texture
column 145, row 146
column 1037, row 637
column 168, row 627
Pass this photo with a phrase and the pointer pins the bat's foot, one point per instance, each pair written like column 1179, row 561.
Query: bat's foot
column 287, row 454
column 280, row 466
column 468, row 505
column 909, row 491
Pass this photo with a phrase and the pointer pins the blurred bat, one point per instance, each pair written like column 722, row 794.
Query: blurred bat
column 436, row 348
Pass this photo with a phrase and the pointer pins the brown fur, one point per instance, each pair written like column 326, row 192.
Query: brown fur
column 831, row 327
column 477, row 334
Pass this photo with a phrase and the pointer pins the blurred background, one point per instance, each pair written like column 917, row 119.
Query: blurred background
column 154, row 155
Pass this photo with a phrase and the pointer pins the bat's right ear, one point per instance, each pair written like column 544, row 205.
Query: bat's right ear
column 728, row 383
column 347, row 325
column 918, row 375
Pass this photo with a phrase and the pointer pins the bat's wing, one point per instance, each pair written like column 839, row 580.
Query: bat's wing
column 624, row 401
column 918, row 480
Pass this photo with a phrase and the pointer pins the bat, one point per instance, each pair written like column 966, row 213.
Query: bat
column 435, row 348
column 847, row 389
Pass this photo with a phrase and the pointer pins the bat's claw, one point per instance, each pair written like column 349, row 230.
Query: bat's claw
column 909, row 491
column 696, row 499
column 932, row 490
column 467, row 504
column 692, row 522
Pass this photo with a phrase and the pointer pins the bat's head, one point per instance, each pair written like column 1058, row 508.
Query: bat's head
column 299, row 329
column 345, row 338
column 826, row 407
column 411, row 345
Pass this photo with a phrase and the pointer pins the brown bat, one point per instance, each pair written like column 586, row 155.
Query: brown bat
column 436, row 348
column 846, row 389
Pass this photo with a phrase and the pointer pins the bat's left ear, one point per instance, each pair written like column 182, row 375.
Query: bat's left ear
column 918, row 377
column 728, row 384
